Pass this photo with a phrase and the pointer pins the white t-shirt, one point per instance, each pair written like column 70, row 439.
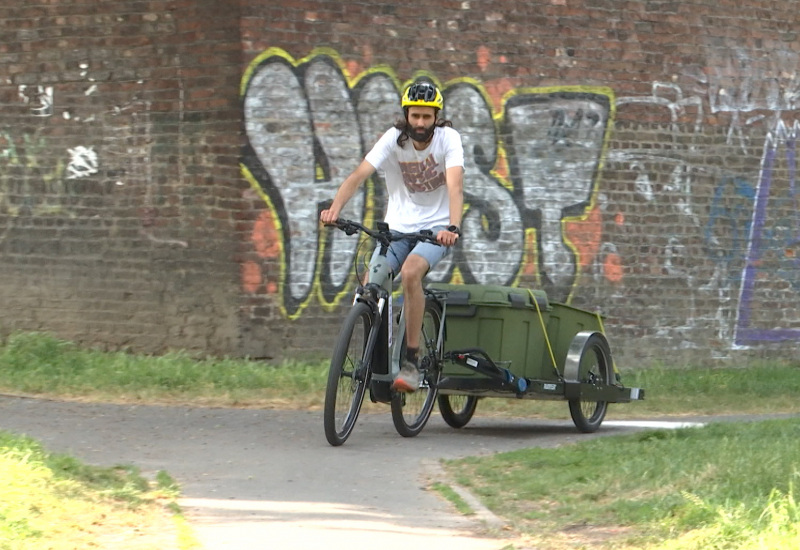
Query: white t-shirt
column 415, row 180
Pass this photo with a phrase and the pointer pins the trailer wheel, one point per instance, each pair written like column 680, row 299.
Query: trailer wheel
column 457, row 410
column 588, row 362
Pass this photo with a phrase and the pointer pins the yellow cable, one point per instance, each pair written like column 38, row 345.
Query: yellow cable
column 544, row 330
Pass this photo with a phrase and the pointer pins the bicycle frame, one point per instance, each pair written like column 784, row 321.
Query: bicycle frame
column 387, row 346
column 384, row 362
column 375, row 360
column 441, row 299
column 377, row 298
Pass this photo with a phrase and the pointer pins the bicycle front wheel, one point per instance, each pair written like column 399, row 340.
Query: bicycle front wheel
column 411, row 411
column 347, row 377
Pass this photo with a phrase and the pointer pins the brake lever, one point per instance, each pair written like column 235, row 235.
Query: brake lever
column 347, row 226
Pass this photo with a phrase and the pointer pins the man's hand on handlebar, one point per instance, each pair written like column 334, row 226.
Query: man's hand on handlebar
column 443, row 238
column 447, row 238
column 328, row 216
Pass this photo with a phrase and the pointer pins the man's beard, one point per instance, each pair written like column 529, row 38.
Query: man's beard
column 421, row 135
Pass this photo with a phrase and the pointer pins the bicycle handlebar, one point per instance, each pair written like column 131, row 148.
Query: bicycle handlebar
column 382, row 234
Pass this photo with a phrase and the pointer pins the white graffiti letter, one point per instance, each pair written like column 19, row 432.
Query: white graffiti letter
column 83, row 162
column 494, row 233
column 556, row 140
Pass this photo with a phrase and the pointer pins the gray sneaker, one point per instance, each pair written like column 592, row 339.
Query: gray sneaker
column 407, row 380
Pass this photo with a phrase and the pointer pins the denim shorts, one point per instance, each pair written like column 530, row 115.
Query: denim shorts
column 400, row 250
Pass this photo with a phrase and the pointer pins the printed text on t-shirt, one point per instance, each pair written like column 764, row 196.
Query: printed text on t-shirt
column 422, row 177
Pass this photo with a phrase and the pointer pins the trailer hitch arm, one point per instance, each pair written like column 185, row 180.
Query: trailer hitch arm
column 478, row 360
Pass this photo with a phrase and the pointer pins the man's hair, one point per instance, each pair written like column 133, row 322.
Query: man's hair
column 404, row 127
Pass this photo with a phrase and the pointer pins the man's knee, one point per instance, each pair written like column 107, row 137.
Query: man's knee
column 414, row 268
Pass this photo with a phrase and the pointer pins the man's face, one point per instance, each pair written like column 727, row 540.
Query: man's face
column 421, row 120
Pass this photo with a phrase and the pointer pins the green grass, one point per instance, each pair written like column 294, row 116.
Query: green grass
column 455, row 499
column 725, row 486
column 40, row 364
column 761, row 387
column 54, row 501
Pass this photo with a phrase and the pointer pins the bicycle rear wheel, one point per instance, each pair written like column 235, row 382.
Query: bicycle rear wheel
column 347, row 379
column 411, row 411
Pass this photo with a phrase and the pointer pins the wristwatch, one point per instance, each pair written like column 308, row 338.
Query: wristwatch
column 454, row 229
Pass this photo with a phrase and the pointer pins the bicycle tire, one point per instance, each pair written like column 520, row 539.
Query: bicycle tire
column 411, row 411
column 457, row 410
column 347, row 384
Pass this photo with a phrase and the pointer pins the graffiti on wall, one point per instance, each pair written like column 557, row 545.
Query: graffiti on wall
column 745, row 81
column 772, row 268
column 34, row 173
column 725, row 271
column 40, row 176
column 39, row 99
column 536, row 205
column 741, row 80
column 656, row 187
column 530, row 185
column 755, row 92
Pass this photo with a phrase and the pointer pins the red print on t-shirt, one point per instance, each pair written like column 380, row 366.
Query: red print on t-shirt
column 422, row 177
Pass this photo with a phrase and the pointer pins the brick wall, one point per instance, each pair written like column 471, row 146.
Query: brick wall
column 161, row 164
column 119, row 145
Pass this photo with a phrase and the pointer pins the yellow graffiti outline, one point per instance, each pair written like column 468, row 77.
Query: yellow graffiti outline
column 612, row 110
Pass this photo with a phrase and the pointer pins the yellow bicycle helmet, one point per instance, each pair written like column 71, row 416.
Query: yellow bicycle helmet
column 422, row 94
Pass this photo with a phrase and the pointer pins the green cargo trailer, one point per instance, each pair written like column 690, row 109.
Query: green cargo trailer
column 504, row 341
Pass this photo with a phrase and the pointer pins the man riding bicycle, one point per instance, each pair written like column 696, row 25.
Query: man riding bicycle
column 423, row 164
